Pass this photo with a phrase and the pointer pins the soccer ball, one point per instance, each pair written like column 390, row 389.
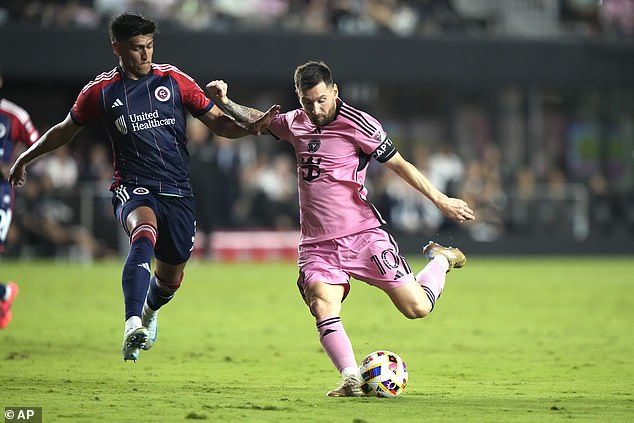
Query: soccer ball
column 384, row 374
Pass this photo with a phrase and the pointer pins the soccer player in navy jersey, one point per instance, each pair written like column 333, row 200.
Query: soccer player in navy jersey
column 15, row 127
column 143, row 106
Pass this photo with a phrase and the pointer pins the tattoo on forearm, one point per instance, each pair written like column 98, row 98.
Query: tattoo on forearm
column 242, row 114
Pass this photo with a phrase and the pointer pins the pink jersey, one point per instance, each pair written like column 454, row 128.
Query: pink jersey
column 332, row 163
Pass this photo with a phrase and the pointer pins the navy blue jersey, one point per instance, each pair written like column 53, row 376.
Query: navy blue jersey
column 15, row 126
column 145, row 120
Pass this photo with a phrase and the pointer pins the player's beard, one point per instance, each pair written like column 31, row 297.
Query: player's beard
column 323, row 120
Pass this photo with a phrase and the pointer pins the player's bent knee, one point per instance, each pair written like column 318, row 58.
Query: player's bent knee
column 320, row 307
column 171, row 285
column 416, row 311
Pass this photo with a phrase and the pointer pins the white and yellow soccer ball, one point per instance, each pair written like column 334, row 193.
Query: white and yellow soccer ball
column 383, row 374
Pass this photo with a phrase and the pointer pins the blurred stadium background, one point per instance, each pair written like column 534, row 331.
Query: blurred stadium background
column 523, row 107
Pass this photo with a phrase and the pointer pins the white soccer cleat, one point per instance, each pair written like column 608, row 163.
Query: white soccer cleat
column 350, row 386
column 454, row 256
column 133, row 340
column 149, row 320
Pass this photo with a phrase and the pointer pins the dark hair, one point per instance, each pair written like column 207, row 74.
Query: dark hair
column 128, row 25
column 312, row 73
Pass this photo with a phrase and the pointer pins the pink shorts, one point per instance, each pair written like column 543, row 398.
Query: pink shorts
column 370, row 256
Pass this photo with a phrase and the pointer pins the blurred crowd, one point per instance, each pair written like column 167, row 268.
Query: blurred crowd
column 60, row 213
column 65, row 208
column 518, row 181
column 537, row 18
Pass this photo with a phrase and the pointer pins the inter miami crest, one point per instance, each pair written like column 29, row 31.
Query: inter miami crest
column 313, row 145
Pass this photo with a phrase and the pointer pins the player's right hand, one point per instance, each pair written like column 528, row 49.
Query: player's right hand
column 17, row 174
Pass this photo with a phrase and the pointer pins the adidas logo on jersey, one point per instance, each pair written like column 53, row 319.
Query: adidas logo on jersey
column 117, row 103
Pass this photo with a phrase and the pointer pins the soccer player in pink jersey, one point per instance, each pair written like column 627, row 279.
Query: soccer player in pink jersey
column 16, row 128
column 341, row 235
column 143, row 106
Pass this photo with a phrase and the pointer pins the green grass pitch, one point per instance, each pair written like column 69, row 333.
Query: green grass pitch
column 510, row 340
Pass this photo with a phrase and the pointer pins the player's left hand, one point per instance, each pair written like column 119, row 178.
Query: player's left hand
column 262, row 123
column 457, row 209
column 217, row 91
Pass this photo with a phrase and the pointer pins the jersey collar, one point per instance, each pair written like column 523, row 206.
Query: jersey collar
column 127, row 78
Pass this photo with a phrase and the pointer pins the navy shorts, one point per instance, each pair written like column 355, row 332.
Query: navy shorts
column 175, row 217
column 6, row 211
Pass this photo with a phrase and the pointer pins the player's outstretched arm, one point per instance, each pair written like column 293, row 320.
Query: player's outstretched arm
column 453, row 208
column 226, row 126
column 252, row 119
column 54, row 138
